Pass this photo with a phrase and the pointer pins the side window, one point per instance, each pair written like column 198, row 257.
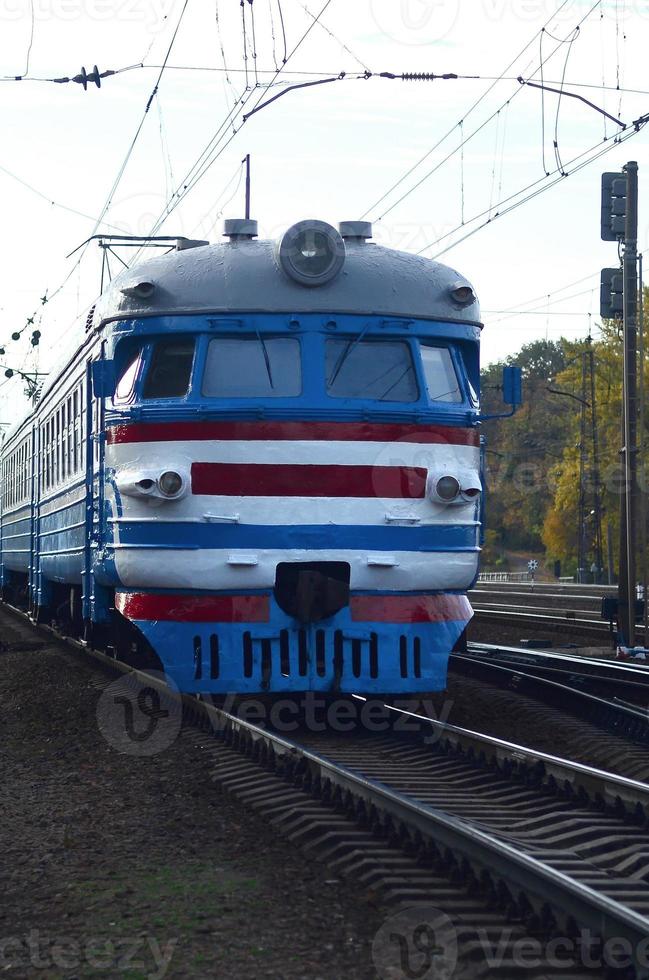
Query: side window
column 50, row 452
column 57, row 475
column 170, row 369
column 70, row 440
column 441, row 379
column 380, row 370
column 253, row 367
column 42, row 447
column 126, row 382
column 64, row 441
column 75, row 428
column 82, row 428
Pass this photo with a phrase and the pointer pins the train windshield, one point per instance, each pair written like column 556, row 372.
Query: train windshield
column 441, row 379
column 125, row 387
column 382, row 370
column 253, row 367
column 170, row 369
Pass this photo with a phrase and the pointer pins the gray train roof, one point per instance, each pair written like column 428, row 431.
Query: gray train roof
column 245, row 276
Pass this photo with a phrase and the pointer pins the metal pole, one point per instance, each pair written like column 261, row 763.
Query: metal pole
column 581, row 541
column 597, row 492
column 609, row 553
column 642, row 499
column 627, row 583
column 246, row 160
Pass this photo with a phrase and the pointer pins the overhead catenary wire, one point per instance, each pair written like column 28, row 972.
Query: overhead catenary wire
column 283, row 26
column 334, row 37
column 100, row 219
column 254, row 40
column 211, row 157
column 543, row 296
column 542, row 311
column 597, row 151
column 216, row 146
column 31, row 36
column 557, row 154
column 308, row 73
column 49, row 200
column 273, row 36
column 449, row 132
column 129, row 152
column 471, row 109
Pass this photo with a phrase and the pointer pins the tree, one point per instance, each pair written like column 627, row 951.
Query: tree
column 521, row 450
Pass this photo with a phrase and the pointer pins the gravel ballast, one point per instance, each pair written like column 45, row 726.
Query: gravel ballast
column 120, row 865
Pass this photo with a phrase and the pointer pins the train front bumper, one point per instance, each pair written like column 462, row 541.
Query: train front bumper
column 224, row 643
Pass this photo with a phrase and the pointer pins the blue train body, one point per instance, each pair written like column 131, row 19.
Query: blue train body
column 261, row 468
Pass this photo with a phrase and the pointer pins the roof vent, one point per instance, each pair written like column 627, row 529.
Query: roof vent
column 355, row 231
column 240, row 229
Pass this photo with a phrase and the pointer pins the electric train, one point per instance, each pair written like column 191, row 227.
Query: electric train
column 260, row 468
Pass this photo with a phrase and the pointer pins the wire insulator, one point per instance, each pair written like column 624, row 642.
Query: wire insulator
column 425, row 76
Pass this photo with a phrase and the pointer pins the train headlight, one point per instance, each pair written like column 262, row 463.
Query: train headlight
column 311, row 253
column 447, row 489
column 152, row 485
column 170, row 483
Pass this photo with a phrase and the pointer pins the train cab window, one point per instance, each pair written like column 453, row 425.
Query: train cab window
column 441, row 379
column 170, row 369
column 253, row 367
column 127, row 379
column 381, row 370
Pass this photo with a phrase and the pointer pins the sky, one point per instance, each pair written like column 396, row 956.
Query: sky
column 383, row 149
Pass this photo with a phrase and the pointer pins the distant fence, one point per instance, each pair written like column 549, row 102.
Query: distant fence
column 515, row 577
column 505, row 577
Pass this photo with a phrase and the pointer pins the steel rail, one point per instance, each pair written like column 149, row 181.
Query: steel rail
column 540, row 882
column 568, row 624
column 620, row 719
column 611, row 788
column 601, row 677
column 637, row 670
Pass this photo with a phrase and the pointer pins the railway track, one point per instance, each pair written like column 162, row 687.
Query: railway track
column 575, row 610
column 623, row 681
column 507, row 841
column 565, row 693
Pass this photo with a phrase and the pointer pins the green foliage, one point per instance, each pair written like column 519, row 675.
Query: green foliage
column 522, row 450
column 533, row 459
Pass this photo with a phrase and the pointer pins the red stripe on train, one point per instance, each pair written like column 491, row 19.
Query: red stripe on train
column 256, row 609
column 410, row 609
column 273, row 480
column 194, row 608
column 320, row 431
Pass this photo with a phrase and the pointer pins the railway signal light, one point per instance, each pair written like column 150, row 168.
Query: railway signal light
column 611, row 295
column 614, row 205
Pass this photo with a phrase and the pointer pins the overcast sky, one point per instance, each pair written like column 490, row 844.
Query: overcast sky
column 330, row 152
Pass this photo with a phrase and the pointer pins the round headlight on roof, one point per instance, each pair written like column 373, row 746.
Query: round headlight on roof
column 311, row 252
